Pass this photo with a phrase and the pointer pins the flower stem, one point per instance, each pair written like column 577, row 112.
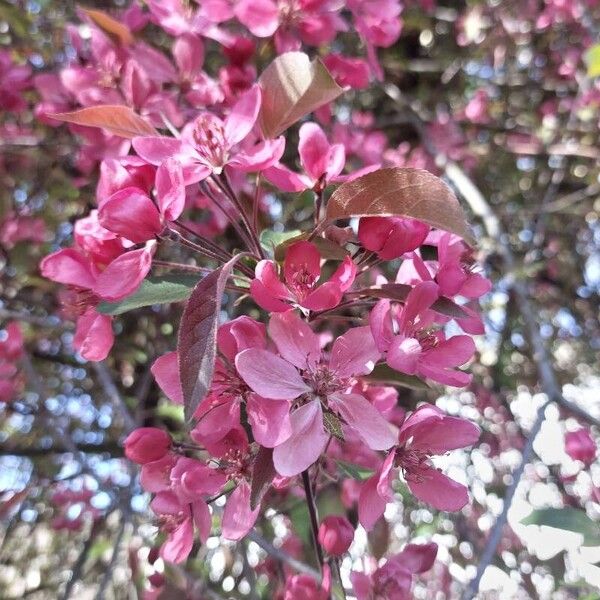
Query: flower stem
column 314, row 518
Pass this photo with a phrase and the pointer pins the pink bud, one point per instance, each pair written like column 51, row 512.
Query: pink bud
column 580, row 445
column 147, row 444
column 335, row 535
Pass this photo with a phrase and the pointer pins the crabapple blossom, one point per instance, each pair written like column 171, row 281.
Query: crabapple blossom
column 301, row 274
column 580, row 445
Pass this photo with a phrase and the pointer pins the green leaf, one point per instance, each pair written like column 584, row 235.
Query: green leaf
column 154, row 290
column 270, row 239
column 354, row 471
column 592, row 60
column 333, row 425
column 568, row 519
column 384, row 374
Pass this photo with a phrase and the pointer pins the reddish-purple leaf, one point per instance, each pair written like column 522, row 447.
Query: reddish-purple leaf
column 400, row 192
column 263, row 473
column 116, row 119
column 197, row 338
column 109, row 25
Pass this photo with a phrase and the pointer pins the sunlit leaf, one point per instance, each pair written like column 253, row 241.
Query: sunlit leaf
column 385, row 375
column 109, row 25
column 400, row 192
column 154, row 290
column 592, row 60
column 116, row 119
column 292, row 87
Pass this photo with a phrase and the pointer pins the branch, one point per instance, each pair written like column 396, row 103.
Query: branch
column 282, row 556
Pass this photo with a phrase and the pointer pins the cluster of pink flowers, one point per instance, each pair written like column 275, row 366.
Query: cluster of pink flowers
column 297, row 390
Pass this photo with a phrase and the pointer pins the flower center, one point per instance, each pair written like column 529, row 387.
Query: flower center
column 302, row 282
column 77, row 301
column 236, row 465
column 211, row 145
column 411, row 461
column 324, row 381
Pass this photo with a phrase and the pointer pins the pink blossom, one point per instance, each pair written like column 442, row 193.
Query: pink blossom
column 208, row 144
column 307, row 587
column 21, row 228
column 391, row 237
column 425, row 433
column 393, row 580
column 404, row 334
column 335, row 535
column 301, row 373
column 14, row 79
column 301, row 273
column 133, row 215
column 147, row 444
column 308, row 21
column 348, row 71
column 580, row 445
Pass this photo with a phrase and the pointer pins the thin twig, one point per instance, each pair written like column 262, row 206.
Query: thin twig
column 314, row 517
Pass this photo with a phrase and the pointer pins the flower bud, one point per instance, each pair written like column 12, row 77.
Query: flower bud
column 147, row 444
column 336, row 535
column 580, row 445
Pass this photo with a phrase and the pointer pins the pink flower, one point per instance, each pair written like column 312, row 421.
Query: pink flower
column 208, row 144
column 348, row 71
column 403, row 334
column 147, row 444
column 391, row 237
column 307, row 587
column 133, row 215
column 393, row 580
column 14, row 79
column 313, row 22
column 580, row 445
column 21, row 228
column 321, row 162
column 301, row 373
column 426, row 432
column 301, row 272
column 335, row 535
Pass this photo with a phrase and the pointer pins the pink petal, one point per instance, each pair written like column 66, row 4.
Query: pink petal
column 419, row 299
column 269, row 375
column 445, row 434
column 416, row 558
column 354, row 353
column 453, row 352
column 326, row 296
column 269, row 420
column 445, row 376
column 365, row 419
column 131, row 214
column 188, row 53
column 382, row 328
column 370, row 504
column 156, row 149
column 238, row 518
column 301, row 257
column 239, row 334
column 267, row 289
column 202, row 519
column 94, row 335
column 344, row 275
column 265, row 299
column 404, row 354
column 170, row 189
column 314, row 150
column 438, row 490
column 179, row 543
column 295, row 340
column 260, row 156
column 68, row 267
column 305, row 445
column 475, row 286
column 361, row 585
column 242, row 117
column 285, row 179
column 166, row 373
column 124, row 275
column 261, row 17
